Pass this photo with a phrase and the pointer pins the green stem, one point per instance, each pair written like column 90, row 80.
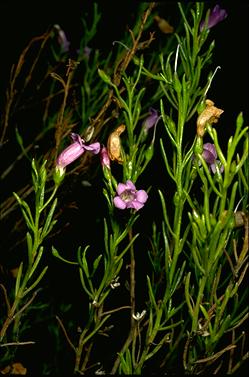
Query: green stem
column 132, row 282
column 198, row 302
column 49, row 199
column 178, row 201
column 132, row 334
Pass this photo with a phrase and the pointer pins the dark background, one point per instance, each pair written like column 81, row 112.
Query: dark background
column 22, row 20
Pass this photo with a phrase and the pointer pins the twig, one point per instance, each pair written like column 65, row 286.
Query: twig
column 12, row 316
column 230, row 362
column 6, row 297
column 132, row 336
column 120, row 67
column 246, row 316
column 65, row 333
column 125, row 346
column 15, row 71
column 86, row 359
column 245, row 357
column 185, row 352
column 116, row 310
column 59, row 126
column 216, row 355
column 17, row 343
column 25, row 306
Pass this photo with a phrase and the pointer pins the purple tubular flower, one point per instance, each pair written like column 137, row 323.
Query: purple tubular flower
column 210, row 156
column 75, row 150
column 62, row 39
column 151, row 120
column 216, row 15
column 94, row 147
column 129, row 197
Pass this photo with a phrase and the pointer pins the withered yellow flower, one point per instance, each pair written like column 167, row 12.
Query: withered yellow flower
column 114, row 144
column 209, row 115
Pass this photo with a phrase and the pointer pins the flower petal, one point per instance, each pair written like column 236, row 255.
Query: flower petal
column 76, row 138
column 213, row 167
column 135, row 204
column 94, row 147
column 151, row 120
column 217, row 166
column 130, row 185
column 119, row 203
column 216, row 15
column 121, row 188
column 208, row 157
column 211, row 148
column 141, row 196
column 70, row 154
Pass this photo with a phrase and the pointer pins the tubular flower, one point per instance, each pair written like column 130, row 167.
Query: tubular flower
column 129, row 197
column 216, row 15
column 210, row 156
column 62, row 39
column 74, row 151
column 151, row 120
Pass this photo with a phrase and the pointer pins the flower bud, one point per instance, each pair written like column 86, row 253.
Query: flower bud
column 216, row 15
column 104, row 76
column 104, row 158
column 59, row 174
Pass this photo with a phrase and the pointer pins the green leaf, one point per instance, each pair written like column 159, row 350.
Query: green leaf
column 90, row 294
column 46, row 228
column 25, row 211
column 35, row 175
column 18, row 279
column 57, row 255
column 36, row 282
column 151, row 295
column 20, row 142
column 104, row 76
column 30, row 246
column 36, row 261
column 96, row 263
column 84, row 262
column 187, row 295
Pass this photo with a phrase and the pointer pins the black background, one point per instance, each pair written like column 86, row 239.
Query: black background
column 22, row 20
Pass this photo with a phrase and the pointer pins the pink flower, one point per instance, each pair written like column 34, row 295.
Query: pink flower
column 210, row 156
column 216, row 15
column 75, row 150
column 129, row 197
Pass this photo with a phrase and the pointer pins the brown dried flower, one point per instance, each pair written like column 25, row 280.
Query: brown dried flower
column 114, row 144
column 163, row 25
column 209, row 115
column 15, row 368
